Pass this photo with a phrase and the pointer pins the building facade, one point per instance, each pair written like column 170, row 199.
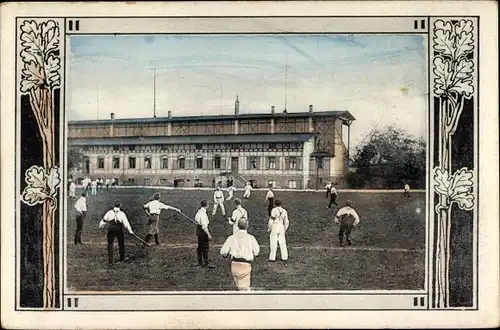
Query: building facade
column 287, row 150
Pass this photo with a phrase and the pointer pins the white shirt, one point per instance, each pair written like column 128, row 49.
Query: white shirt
column 113, row 180
column 155, row 207
column 231, row 189
column 116, row 215
column 238, row 214
column 218, row 196
column 269, row 194
column 328, row 186
column 347, row 211
column 241, row 245
column 407, row 187
column 93, row 184
column 248, row 187
column 279, row 216
column 72, row 186
column 107, row 181
column 201, row 218
column 333, row 191
column 81, row 205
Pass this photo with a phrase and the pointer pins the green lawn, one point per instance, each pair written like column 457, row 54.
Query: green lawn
column 388, row 251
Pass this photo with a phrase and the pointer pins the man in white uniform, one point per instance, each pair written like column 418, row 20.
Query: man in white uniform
column 107, row 183
column 72, row 190
column 231, row 190
column 248, row 188
column 333, row 197
column 242, row 248
column 153, row 209
column 93, row 185
column 238, row 214
column 219, row 201
column 407, row 190
column 277, row 227
column 348, row 219
column 328, row 187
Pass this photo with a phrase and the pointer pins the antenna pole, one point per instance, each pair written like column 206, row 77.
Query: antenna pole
column 154, row 92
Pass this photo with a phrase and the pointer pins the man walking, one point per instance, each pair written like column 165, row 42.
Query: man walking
column 116, row 220
column 248, row 188
column 270, row 200
column 72, row 190
column 333, row 196
column 81, row 211
column 348, row 219
column 242, row 248
column 203, row 234
column 407, row 190
column 238, row 214
column 153, row 209
column 93, row 186
column 231, row 190
column 219, row 201
column 277, row 227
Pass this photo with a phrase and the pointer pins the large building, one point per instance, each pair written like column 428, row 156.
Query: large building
column 287, row 150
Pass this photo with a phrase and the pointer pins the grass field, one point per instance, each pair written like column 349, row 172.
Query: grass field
column 388, row 251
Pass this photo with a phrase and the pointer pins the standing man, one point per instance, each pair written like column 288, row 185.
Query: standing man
column 231, row 190
column 93, row 185
column 116, row 220
column 81, row 211
column 333, row 196
column 219, row 201
column 277, row 227
column 107, row 183
column 242, row 248
column 153, row 209
column 348, row 218
column 328, row 187
column 113, row 182
column 72, row 190
column 203, row 234
column 270, row 200
column 407, row 190
column 238, row 214
column 248, row 188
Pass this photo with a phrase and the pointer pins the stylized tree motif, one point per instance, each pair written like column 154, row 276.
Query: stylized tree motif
column 40, row 75
column 453, row 84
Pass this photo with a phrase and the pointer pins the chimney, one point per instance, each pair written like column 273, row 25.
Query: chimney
column 112, row 116
column 273, row 109
column 169, row 114
column 310, row 108
column 237, row 107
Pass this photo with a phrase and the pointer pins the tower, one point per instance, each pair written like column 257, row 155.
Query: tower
column 236, row 106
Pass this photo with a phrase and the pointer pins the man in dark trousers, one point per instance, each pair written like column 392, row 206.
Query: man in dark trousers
column 81, row 210
column 348, row 219
column 327, row 188
column 203, row 235
column 153, row 210
column 270, row 200
column 333, row 196
column 116, row 220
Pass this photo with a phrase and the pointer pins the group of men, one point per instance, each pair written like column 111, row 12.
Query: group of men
column 88, row 184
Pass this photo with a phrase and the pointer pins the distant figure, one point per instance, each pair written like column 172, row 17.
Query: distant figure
column 277, row 227
column 270, row 200
column 116, row 220
column 72, row 190
column 219, row 201
column 238, row 214
column 248, row 189
column 230, row 182
column 328, row 187
column 242, row 248
column 107, row 183
column 153, row 209
column 407, row 190
column 348, row 218
column 93, row 185
column 113, row 182
column 231, row 190
column 81, row 211
column 203, row 234
column 333, row 196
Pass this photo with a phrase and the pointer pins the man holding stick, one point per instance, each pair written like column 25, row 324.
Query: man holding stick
column 153, row 210
column 203, row 235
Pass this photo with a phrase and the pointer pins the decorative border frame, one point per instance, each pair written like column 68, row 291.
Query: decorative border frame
column 453, row 112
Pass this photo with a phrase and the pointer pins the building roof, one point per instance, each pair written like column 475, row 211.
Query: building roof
column 192, row 139
column 345, row 115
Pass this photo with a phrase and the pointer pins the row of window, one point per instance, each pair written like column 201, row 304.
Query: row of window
column 253, row 162
column 200, row 146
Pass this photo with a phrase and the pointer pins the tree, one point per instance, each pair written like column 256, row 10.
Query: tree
column 75, row 159
column 392, row 154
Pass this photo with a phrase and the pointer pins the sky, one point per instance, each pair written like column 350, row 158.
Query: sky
column 380, row 79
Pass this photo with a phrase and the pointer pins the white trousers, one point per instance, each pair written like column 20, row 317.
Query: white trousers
column 246, row 194
column 72, row 192
column 221, row 205
column 230, row 196
column 276, row 237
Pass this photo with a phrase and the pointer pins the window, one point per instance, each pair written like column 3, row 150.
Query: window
column 199, row 146
column 272, row 163
column 293, row 163
column 199, row 162
column 100, row 162
column 286, row 145
column 131, row 147
column 292, row 184
column 164, row 162
column 147, row 162
column 116, row 148
column 181, row 162
column 253, row 162
column 235, row 146
column 272, row 145
column 163, row 181
column 217, row 162
column 131, row 181
column 272, row 183
column 116, row 162
column 147, row 181
column 319, row 162
column 165, row 147
column 131, row 162
column 86, row 148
